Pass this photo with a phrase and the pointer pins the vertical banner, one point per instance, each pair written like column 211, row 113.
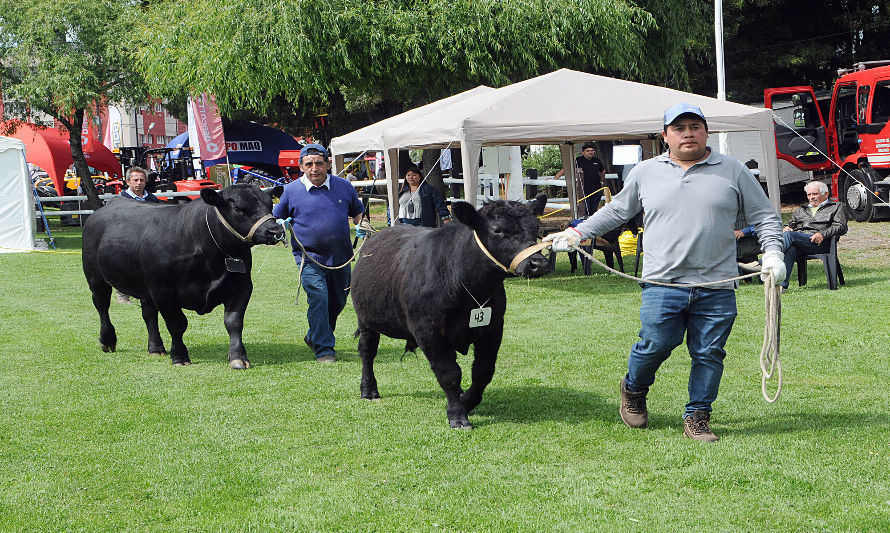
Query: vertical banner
column 88, row 135
column 111, row 135
column 209, row 140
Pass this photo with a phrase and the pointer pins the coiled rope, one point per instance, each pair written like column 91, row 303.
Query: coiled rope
column 770, row 364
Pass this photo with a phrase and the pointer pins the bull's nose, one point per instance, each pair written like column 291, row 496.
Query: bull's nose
column 536, row 265
column 276, row 234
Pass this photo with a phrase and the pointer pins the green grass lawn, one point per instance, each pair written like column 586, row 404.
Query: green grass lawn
column 94, row 441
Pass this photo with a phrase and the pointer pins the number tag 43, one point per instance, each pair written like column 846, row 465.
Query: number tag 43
column 480, row 317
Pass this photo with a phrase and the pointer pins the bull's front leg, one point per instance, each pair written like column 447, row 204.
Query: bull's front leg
column 102, row 300
column 485, row 354
column 368, row 342
column 443, row 361
column 150, row 316
column 176, row 325
column 234, row 321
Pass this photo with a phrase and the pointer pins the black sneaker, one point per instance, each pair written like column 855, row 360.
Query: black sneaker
column 698, row 427
column 633, row 407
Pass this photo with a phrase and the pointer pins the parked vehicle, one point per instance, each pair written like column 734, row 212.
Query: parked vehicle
column 851, row 145
column 172, row 171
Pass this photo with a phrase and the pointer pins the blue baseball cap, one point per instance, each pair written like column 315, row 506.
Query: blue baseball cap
column 313, row 149
column 673, row 113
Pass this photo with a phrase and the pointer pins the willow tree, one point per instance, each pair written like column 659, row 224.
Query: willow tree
column 61, row 57
column 254, row 53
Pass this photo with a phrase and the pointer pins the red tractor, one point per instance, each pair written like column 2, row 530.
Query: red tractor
column 852, row 146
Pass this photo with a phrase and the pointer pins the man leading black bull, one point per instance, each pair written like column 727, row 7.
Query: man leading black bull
column 319, row 205
column 692, row 198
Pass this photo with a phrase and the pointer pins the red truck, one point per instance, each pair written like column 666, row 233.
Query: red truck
column 852, row 146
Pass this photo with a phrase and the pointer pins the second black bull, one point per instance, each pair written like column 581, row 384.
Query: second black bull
column 438, row 290
column 173, row 257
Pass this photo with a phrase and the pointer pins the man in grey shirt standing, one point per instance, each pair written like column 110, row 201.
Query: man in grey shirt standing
column 691, row 198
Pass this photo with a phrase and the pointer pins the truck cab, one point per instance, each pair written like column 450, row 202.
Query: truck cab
column 851, row 144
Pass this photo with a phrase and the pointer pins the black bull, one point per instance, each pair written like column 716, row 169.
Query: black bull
column 175, row 257
column 422, row 285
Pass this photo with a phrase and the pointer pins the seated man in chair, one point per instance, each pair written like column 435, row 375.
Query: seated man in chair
column 812, row 226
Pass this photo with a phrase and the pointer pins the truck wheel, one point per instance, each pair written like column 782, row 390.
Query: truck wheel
column 855, row 193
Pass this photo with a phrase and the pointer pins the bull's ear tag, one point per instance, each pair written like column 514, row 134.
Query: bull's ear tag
column 236, row 265
column 479, row 317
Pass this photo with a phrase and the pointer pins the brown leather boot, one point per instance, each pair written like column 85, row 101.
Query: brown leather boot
column 633, row 407
column 698, row 427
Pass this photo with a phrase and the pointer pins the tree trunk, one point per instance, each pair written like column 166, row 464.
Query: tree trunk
column 80, row 162
column 433, row 171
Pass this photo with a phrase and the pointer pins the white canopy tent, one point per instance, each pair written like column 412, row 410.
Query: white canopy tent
column 560, row 108
column 370, row 138
column 16, row 198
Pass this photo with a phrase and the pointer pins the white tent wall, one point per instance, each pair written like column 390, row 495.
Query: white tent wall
column 770, row 170
column 16, row 198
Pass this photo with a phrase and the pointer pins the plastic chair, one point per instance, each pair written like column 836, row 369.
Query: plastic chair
column 833, row 271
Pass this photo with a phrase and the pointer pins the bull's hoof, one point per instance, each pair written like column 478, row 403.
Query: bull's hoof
column 456, row 424
column 106, row 348
column 239, row 364
column 371, row 395
column 460, row 423
column 182, row 363
column 158, row 354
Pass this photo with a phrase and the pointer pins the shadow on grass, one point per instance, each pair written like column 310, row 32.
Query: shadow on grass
column 761, row 424
column 259, row 353
column 527, row 404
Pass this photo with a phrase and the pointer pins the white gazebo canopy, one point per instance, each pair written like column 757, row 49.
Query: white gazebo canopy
column 370, row 138
column 557, row 108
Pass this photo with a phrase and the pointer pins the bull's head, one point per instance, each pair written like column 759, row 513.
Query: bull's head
column 242, row 206
column 505, row 229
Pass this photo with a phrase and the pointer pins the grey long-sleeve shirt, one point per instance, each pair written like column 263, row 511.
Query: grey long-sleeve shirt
column 689, row 217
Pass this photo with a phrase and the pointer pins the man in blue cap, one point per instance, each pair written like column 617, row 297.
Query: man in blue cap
column 320, row 205
column 691, row 198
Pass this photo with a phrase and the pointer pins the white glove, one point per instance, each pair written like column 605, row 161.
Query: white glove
column 773, row 262
column 565, row 240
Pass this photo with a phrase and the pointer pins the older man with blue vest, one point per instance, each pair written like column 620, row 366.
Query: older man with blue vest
column 691, row 198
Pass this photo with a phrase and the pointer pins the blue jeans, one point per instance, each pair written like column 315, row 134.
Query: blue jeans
column 326, row 292
column 797, row 244
column 705, row 316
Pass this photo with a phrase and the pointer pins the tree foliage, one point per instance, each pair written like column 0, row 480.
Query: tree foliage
column 60, row 57
column 775, row 43
column 362, row 55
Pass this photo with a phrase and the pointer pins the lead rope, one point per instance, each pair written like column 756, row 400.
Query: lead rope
column 769, row 352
